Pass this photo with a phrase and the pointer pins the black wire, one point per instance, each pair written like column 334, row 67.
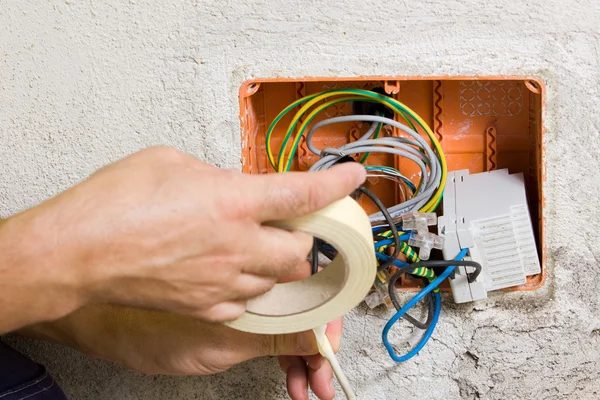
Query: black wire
column 428, row 264
column 448, row 263
column 315, row 257
column 430, row 312
column 431, row 264
column 394, row 256
column 396, row 302
column 392, row 285
column 324, row 250
column 386, row 264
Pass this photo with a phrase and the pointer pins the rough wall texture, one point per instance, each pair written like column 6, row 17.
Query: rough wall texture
column 83, row 83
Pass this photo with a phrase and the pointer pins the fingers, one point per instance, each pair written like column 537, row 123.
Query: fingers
column 321, row 381
column 279, row 196
column 296, row 377
column 277, row 253
column 302, row 343
column 313, row 370
column 302, row 271
column 223, row 312
column 246, row 286
column 315, row 361
column 334, row 334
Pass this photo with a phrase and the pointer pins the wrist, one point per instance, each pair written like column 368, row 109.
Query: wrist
column 38, row 281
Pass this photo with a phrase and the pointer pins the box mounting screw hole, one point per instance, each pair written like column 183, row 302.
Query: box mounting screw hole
column 533, row 86
column 391, row 87
column 253, row 88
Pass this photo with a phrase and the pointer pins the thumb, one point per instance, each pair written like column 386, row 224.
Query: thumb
column 294, row 194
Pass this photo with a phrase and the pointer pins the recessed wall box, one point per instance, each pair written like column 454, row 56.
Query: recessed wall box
column 483, row 124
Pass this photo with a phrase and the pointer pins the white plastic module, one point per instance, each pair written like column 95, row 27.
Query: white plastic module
column 488, row 214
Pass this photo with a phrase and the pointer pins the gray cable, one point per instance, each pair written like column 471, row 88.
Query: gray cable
column 426, row 189
column 312, row 147
column 374, row 118
column 416, row 150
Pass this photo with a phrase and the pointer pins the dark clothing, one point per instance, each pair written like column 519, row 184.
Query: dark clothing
column 23, row 379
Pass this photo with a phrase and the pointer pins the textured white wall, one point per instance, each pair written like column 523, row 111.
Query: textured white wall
column 83, row 83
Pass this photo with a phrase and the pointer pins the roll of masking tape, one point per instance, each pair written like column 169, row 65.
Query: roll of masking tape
column 309, row 303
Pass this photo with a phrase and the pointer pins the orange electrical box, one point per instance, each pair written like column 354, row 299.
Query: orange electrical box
column 482, row 123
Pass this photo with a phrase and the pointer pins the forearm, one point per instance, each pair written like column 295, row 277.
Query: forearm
column 36, row 282
column 136, row 338
column 155, row 342
column 102, row 331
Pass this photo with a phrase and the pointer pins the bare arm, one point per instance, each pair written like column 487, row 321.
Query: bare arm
column 160, row 230
column 160, row 343
column 37, row 281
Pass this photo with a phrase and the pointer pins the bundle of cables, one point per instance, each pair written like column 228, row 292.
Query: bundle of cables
column 390, row 240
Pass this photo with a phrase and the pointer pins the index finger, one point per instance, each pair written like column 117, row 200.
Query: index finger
column 294, row 194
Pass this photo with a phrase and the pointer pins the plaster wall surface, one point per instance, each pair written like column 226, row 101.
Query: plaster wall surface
column 84, row 83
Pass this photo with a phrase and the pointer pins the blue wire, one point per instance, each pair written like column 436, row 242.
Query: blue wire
column 384, row 257
column 410, row 304
column 386, row 227
column 386, row 242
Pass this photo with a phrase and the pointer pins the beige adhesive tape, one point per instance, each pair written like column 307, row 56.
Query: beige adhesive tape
column 306, row 304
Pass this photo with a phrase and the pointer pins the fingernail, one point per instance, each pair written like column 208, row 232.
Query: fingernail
column 331, row 385
column 306, row 342
column 361, row 177
column 359, row 172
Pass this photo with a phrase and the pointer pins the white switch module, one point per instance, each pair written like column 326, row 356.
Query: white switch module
column 488, row 214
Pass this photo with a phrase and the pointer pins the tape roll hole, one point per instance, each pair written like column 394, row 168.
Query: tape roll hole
column 297, row 297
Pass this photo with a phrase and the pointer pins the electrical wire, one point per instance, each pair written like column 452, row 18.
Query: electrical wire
column 388, row 218
column 387, row 259
column 427, row 335
column 428, row 264
column 405, row 267
column 394, row 261
column 387, row 241
column 351, row 95
column 393, row 172
column 392, row 178
column 374, row 130
column 314, row 257
column 421, row 154
column 348, row 95
column 424, row 197
column 326, row 249
column 446, row 263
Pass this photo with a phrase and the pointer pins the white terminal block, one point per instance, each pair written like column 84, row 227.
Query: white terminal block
column 488, row 214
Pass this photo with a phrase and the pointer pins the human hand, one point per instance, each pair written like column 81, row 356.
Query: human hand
column 155, row 342
column 163, row 230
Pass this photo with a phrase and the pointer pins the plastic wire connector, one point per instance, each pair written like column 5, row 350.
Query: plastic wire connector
column 425, row 243
column 417, row 221
column 327, row 352
column 379, row 296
